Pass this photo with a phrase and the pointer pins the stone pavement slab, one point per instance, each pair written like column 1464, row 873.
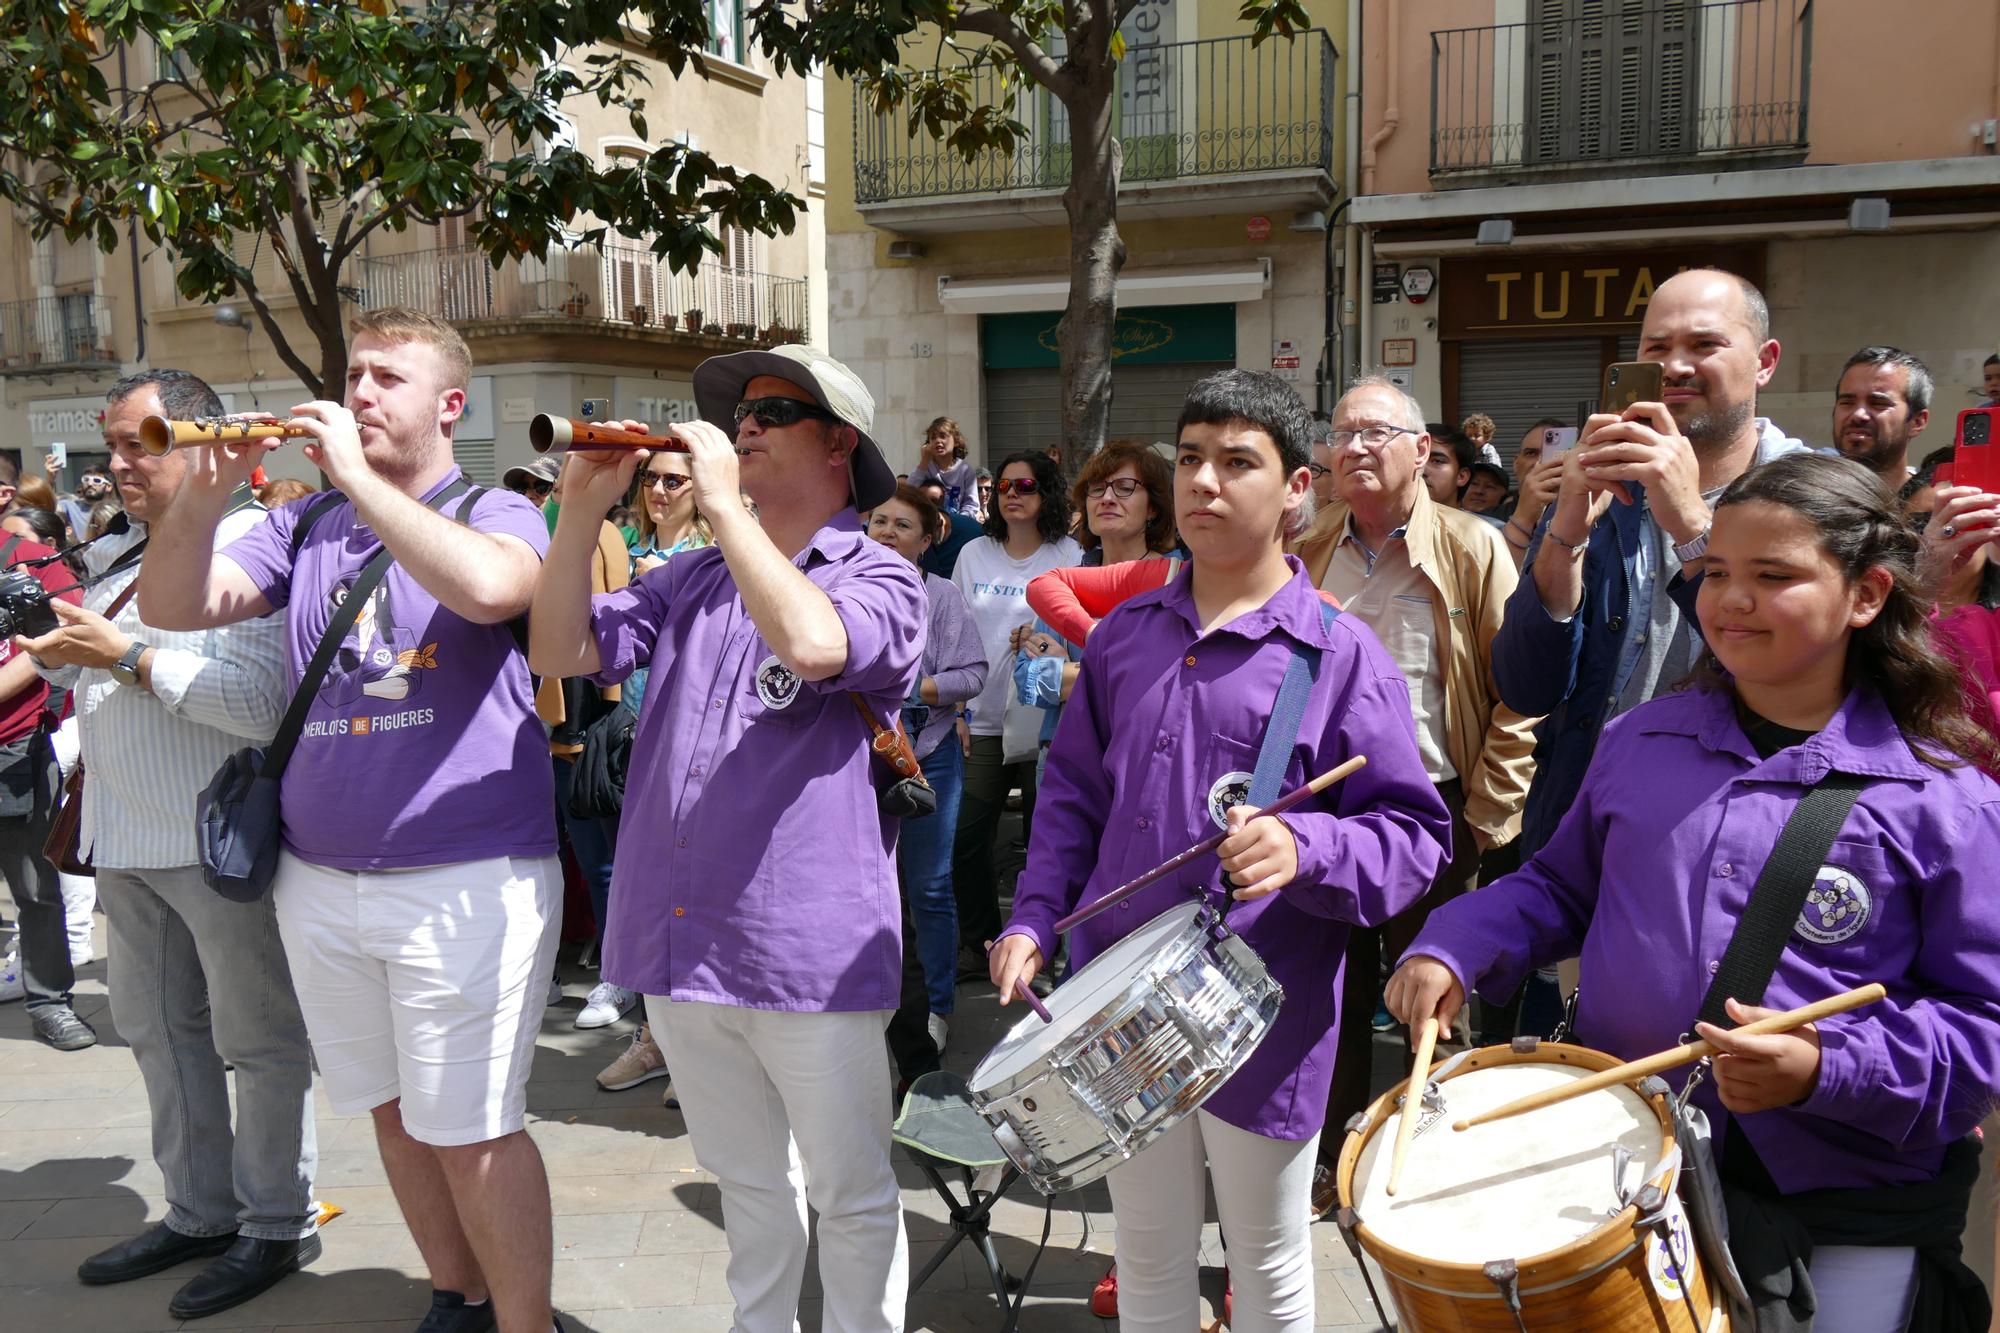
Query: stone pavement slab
column 638, row 1225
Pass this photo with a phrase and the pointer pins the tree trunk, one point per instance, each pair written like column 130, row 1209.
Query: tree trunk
column 1096, row 253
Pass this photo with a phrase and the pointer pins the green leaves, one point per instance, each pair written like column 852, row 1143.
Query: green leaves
column 355, row 115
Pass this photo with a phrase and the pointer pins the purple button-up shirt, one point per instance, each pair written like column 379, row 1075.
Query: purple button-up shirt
column 1650, row 870
column 754, row 865
column 1160, row 736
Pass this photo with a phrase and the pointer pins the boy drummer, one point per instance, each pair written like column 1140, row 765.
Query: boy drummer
column 1157, row 745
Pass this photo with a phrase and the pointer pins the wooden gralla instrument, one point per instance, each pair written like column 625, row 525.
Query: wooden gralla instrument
column 552, row 434
column 161, row 435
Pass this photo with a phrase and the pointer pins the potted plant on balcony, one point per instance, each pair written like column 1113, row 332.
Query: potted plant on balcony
column 691, row 320
column 576, row 304
column 637, row 314
column 712, row 329
column 742, row 331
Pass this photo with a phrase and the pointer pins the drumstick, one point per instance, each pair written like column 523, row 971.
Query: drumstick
column 1685, row 1054
column 1406, row 1128
column 1207, row 845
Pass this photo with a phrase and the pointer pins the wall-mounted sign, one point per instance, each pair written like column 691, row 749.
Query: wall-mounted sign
column 1388, row 283
column 1563, row 295
column 1418, row 280
column 1145, row 335
column 1258, row 229
column 1399, row 351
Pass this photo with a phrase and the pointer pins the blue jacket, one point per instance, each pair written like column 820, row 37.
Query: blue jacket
column 1573, row 673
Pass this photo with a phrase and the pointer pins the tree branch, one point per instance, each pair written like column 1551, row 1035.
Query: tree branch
column 1042, row 66
column 279, row 343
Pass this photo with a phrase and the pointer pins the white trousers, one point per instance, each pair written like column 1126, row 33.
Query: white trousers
column 1263, row 1198
column 785, row 1108
column 1863, row 1288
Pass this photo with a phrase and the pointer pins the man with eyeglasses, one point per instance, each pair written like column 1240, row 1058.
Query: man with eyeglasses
column 535, row 479
column 754, row 902
column 1322, row 465
column 1432, row 583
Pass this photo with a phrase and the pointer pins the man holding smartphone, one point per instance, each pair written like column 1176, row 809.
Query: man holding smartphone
column 1593, row 628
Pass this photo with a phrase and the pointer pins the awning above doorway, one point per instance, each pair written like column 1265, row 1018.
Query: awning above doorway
column 1214, row 285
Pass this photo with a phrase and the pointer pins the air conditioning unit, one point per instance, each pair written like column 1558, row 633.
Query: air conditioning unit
column 908, row 249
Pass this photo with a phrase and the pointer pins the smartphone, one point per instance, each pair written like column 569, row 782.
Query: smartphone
column 1941, row 476
column 1555, row 439
column 596, row 409
column 1629, row 382
column 1975, row 458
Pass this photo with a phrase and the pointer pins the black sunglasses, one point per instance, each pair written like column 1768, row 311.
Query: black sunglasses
column 774, row 412
column 673, row 481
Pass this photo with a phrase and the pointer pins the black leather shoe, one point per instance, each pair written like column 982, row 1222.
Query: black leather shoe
column 248, row 1268
column 154, row 1250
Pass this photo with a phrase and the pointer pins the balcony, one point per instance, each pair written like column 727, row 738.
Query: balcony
column 1597, row 87
column 1199, row 121
column 612, row 291
column 56, row 333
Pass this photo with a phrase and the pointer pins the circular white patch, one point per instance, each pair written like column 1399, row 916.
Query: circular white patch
column 1661, row 1264
column 1837, row 906
column 382, row 657
column 1229, row 789
column 777, row 684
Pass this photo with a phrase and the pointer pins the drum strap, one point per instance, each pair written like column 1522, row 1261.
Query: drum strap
column 1288, row 714
column 1780, row 895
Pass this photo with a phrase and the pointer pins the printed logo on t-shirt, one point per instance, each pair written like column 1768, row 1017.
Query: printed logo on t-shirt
column 379, row 659
column 1837, row 907
column 777, row 684
column 1229, row 789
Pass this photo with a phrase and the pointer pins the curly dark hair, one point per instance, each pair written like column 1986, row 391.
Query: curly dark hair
column 1155, row 474
column 1053, row 521
column 1861, row 528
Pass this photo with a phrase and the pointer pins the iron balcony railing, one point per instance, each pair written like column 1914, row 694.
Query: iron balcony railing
column 1185, row 110
column 619, row 283
column 1611, row 81
column 55, row 332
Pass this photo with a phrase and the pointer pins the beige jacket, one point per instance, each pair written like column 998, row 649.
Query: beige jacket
column 1471, row 576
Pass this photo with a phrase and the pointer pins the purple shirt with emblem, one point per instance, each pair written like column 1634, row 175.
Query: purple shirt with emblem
column 1650, row 870
column 755, row 866
column 422, row 747
column 1160, row 734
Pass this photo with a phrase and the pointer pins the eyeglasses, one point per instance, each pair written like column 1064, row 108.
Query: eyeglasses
column 1017, row 485
column 539, row 489
column 1372, row 436
column 774, row 412
column 1124, row 488
column 673, row 481
column 1319, row 470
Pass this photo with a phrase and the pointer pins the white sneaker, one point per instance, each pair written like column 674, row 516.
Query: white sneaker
column 11, row 986
column 939, row 1029
column 606, row 1005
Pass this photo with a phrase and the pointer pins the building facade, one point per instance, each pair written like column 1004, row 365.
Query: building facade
column 947, row 276
column 608, row 323
column 1534, row 168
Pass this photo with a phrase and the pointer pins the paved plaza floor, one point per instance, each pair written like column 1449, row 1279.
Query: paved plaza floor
column 638, row 1230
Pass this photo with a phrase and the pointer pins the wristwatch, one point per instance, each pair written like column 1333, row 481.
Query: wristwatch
column 1693, row 549
column 126, row 669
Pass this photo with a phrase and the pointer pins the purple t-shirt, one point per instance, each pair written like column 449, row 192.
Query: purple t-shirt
column 422, row 747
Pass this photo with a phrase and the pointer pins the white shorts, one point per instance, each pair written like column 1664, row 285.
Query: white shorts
column 425, row 984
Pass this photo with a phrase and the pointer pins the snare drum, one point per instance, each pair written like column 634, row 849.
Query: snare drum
column 1566, row 1217
column 1143, row 1035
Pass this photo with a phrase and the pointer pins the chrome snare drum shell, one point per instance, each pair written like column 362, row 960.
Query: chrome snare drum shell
column 1144, row 1034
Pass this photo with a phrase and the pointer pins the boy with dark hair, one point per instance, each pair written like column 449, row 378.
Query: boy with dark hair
column 1152, row 754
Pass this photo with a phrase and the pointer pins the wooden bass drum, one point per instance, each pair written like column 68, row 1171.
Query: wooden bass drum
column 1563, row 1219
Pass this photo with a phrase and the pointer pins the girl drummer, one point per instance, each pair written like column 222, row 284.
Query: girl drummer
column 1843, row 1144
column 1156, row 743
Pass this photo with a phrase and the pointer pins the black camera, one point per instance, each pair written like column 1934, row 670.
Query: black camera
column 24, row 605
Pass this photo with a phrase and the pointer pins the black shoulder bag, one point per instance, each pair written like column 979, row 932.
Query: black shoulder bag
column 1744, row 974
column 238, row 819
